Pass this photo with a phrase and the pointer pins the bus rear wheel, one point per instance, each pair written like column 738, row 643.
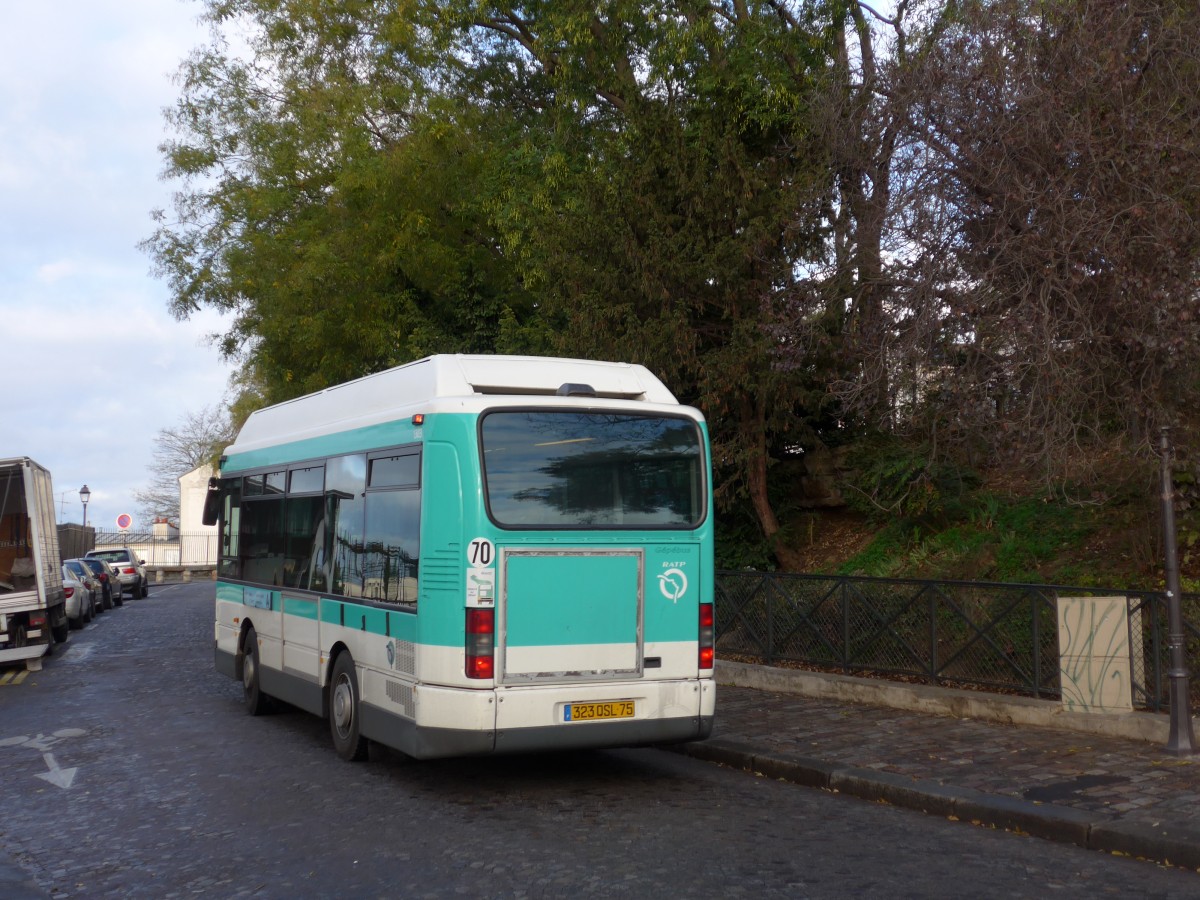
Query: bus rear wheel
column 257, row 703
column 344, row 711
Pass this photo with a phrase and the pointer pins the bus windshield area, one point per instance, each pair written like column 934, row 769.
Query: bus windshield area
column 589, row 469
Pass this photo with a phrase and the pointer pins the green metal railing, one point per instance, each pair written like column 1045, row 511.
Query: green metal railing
column 989, row 636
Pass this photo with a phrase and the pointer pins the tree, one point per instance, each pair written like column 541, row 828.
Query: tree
column 1059, row 146
column 325, row 205
column 382, row 180
column 675, row 186
column 197, row 440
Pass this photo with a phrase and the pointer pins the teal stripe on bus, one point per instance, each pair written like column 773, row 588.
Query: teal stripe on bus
column 372, row 619
column 357, row 440
column 403, row 626
column 369, row 619
column 299, row 606
column 230, row 593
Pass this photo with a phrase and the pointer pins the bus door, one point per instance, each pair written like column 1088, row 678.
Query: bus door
column 570, row 614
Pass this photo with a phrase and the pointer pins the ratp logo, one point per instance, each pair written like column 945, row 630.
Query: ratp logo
column 673, row 584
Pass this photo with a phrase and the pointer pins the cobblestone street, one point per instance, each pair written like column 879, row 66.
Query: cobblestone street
column 132, row 771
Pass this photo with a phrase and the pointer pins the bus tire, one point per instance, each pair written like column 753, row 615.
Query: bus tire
column 257, row 703
column 344, row 711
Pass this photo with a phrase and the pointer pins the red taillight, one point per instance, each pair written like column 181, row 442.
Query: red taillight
column 706, row 635
column 128, row 571
column 37, row 620
column 68, row 592
column 481, row 643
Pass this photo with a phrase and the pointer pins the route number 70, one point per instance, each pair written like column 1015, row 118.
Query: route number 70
column 481, row 552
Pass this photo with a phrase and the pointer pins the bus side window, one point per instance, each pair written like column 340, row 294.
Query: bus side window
column 393, row 545
column 318, row 571
column 231, row 502
column 262, row 540
column 392, row 542
column 304, row 517
column 345, row 482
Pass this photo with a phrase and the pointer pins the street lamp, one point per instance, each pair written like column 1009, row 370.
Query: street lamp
column 85, row 495
column 1182, row 740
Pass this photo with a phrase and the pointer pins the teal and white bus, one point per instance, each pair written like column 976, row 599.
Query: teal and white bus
column 473, row 554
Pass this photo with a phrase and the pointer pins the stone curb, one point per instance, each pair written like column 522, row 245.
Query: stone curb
column 941, row 701
column 1159, row 843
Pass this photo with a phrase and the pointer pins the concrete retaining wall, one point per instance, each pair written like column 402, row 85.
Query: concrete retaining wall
column 1143, row 726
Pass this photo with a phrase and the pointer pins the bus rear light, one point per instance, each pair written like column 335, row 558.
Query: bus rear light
column 481, row 643
column 706, row 636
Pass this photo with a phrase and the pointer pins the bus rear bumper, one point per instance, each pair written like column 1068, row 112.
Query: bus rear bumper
column 423, row 742
column 600, row 735
column 531, row 719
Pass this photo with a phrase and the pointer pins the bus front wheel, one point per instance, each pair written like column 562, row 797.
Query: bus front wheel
column 257, row 703
column 343, row 711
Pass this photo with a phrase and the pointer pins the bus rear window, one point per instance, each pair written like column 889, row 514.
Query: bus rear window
column 571, row 469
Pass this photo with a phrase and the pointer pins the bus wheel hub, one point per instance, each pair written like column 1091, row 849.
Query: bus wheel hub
column 343, row 707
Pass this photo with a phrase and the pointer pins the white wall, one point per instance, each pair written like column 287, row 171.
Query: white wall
column 193, row 487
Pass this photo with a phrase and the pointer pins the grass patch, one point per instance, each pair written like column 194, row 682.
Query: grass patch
column 1020, row 540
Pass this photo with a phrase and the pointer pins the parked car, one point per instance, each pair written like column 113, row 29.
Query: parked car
column 90, row 580
column 130, row 570
column 80, row 604
column 111, row 585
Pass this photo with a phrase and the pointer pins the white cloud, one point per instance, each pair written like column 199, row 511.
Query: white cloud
column 96, row 365
column 56, row 271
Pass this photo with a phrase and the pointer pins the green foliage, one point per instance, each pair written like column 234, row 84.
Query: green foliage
column 740, row 543
column 731, row 194
column 885, row 556
column 329, row 205
column 379, row 181
column 993, row 539
column 1034, row 531
column 893, row 479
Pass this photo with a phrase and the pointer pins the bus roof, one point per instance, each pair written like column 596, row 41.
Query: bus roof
column 420, row 385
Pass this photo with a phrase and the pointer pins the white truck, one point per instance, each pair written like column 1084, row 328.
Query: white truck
column 33, row 609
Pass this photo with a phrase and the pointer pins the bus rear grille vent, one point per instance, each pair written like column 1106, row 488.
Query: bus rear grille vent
column 402, row 695
column 406, row 657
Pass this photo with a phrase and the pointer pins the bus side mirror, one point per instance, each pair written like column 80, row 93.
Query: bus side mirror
column 212, row 502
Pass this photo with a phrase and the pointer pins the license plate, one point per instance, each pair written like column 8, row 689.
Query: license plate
column 590, row 712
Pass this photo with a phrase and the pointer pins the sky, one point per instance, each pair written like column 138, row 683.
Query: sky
column 93, row 364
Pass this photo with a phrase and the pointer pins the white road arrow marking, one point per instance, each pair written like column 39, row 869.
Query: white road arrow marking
column 60, row 777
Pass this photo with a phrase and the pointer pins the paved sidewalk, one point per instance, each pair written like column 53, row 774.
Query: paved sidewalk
column 1112, row 794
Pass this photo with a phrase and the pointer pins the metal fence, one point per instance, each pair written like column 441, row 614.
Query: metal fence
column 990, row 636
column 198, row 549
column 75, row 540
